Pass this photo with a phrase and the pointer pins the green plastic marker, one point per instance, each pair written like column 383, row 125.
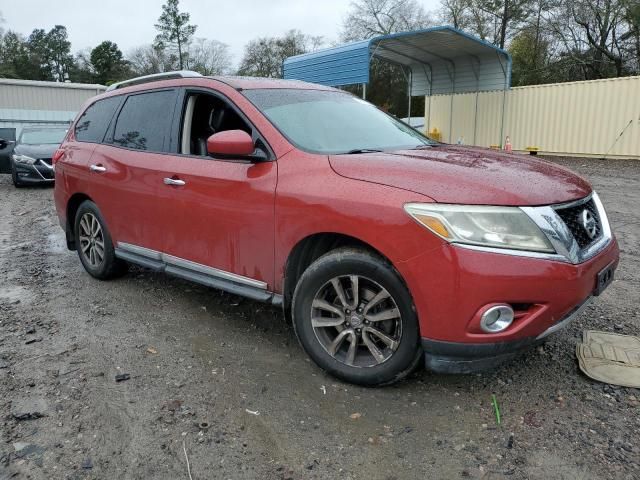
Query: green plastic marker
column 496, row 408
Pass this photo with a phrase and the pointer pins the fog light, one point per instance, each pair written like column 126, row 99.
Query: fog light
column 496, row 319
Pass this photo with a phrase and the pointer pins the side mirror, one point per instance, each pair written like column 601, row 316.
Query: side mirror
column 230, row 144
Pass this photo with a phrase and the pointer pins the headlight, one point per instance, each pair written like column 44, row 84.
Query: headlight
column 497, row 227
column 24, row 159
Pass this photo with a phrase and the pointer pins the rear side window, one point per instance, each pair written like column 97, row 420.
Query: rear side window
column 93, row 123
column 144, row 121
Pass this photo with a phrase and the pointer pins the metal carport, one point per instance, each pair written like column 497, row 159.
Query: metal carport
column 436, row 61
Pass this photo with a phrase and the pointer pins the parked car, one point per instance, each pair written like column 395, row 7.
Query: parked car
column 384, row 247
column 31, row 157
column 7, row 142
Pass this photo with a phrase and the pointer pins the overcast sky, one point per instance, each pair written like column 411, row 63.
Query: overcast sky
column 129, row 23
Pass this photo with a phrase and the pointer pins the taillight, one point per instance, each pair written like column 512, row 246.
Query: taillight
column 57, row 155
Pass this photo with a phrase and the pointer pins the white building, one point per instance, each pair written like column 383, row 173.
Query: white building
column 27, row 102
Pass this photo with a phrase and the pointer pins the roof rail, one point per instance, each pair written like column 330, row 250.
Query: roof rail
column 154, row 78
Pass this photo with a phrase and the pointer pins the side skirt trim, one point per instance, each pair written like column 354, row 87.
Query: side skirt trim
column 155, row 265
column 198, row 273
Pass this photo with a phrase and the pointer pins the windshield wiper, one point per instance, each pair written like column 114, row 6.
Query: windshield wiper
column 362, row 150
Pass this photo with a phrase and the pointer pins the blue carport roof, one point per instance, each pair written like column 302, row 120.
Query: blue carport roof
column 440, row 60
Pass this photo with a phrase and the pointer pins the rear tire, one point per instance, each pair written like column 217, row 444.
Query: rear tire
column 94, row 245
column 369, row 337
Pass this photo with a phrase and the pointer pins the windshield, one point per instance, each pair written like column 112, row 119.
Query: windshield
column 333, row 122
column 44, row 136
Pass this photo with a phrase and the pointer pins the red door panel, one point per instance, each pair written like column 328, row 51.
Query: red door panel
column 124, row 184
column 223, row 216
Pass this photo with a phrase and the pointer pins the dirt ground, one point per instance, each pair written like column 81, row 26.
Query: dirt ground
column 223, row 379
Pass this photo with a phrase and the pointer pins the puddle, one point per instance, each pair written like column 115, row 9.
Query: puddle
column 56, row 243
column 11, row 294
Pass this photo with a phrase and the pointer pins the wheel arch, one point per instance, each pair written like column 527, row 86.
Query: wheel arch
column 73, row 204
column 308, row 249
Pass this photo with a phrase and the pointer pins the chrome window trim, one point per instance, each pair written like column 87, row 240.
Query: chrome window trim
column 192, row 266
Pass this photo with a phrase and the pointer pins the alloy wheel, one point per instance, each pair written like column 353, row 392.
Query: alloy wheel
column 356, row 321
column 91, row 240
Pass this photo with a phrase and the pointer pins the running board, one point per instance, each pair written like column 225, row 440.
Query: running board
column 198, row 273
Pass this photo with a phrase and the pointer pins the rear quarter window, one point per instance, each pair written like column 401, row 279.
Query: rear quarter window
column 92, row 124
column 145, row 120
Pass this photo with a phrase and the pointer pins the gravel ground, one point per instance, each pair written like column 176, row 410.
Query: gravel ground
column 224, row 380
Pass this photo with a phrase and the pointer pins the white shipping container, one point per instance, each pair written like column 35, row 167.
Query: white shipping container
column 575, row 118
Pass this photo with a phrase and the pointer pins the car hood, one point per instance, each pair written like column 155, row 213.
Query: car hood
column 466, row 175
column 36, row 151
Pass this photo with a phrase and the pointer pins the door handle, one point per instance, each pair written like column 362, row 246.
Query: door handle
column 97, row 168
column 174, row 181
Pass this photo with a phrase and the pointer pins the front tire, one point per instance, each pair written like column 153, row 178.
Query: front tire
column 14, row 177
column 94, row 244
column 355, row 318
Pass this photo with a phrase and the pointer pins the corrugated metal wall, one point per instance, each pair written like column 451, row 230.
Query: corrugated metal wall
column 577, row 118
column 25, row 102
column 31, row 95
column 441, row 60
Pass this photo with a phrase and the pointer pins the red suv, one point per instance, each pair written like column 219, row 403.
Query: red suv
column 383, row 246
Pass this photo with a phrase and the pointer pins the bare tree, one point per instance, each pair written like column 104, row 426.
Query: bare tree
column 369, row 18
column 632, row 37
column 149, row 59
column 209, row 57
column 83, row 70
column 480, row 23
column 455, row 13
column 263, row 57
column 601, row 26
column 507, row 17
column 594, row 36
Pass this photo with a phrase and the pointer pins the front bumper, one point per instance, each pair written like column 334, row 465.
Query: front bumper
column 451, row 357
column 451, row 285
column 39, row 172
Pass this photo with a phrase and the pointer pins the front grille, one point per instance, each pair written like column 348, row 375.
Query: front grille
column 47, row 174
column 573, row 217
column 44, row 167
